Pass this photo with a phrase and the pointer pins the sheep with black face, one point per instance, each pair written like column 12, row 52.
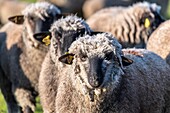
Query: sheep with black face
column 95, row 80
column 131, row 25
column 62, row 33
column 21, row 55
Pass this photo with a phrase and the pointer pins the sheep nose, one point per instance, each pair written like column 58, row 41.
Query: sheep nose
column 95, row 80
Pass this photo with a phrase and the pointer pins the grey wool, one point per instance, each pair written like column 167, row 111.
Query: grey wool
column 131, row 25
column 159, row 41
column 97, row 81
column 64, row 31
column 21, row 56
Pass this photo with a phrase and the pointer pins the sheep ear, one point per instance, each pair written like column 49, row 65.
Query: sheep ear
column 126, row 61
column 67, row 58
column 62, row 15
column 19, row 19
column 96, row 32
column 44, row 38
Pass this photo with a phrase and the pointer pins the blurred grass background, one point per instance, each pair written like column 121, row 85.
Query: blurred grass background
column 3, row 108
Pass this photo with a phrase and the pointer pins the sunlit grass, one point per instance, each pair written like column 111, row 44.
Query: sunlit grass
column 29, row 0
column 2, row 104
column 3, row 108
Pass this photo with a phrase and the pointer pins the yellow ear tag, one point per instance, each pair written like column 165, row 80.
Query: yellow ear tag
column 147, row 23
column 69, row 59
column 46, row 40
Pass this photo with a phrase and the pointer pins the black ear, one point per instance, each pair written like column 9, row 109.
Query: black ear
column 126, row 61
column 19, row 19
column 96, row 32
column 67, row 58
column 62, row 15
column 43, row 37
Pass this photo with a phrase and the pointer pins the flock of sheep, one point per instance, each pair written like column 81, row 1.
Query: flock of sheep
column 116, row 61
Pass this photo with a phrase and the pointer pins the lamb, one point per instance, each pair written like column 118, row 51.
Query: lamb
column 21, row 55
column 159, row 41
column 132, row 26
column 62, row 33
column 92, row 78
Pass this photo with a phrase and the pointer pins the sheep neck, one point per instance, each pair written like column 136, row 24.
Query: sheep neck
column 29, row 43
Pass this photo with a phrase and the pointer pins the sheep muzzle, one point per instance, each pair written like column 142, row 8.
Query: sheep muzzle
column 95, row 77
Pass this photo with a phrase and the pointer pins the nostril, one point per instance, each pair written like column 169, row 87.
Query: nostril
column 95, row 81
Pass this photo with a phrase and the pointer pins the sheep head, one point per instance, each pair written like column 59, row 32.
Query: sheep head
column 36, row 18
column 148, row 15
column 96, row 62
column 62, row 33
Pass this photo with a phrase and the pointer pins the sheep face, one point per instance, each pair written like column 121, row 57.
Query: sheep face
column 149, row 16
column 37, row 18
column 96, row 64
column 64, row 32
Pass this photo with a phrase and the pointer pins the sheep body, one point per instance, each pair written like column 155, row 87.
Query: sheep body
column 159, row 41
column 134, row 89
column 21, row 56
column 64, row 31
column 127, row 24
column 92, row 6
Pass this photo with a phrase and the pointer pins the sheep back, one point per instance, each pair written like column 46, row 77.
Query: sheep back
column 159, row 41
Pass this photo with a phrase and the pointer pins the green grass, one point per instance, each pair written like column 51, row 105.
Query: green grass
column 31, row 1
column 168, row 10
column 2, row 104
column 3, row 108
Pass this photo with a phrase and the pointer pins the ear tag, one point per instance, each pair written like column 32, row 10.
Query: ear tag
column 69, row 59
column 147, row 23
column 46, row 40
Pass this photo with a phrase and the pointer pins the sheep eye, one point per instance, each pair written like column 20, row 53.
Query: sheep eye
column 32, row 18
column 109, row 56
column 83, row 58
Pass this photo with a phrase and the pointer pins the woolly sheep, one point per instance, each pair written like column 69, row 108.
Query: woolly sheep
column 63, row 33
column 159, row 41
column 132, row 26
column 96, row 81
column 21, row 55
column 92, row 6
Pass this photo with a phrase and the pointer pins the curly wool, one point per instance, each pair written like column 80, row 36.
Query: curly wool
column 96, row 44
column 71, row 22
column 40, row 10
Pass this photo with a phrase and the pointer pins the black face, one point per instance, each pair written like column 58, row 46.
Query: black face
column 66, row 38
column 95, row 76
column 43, row 25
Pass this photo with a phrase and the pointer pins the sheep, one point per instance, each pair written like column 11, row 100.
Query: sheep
column 62, row 33
column 92, row 78
column 159, row 41
column 10, row 8
column 92, row 6
column 21, row 55
column 132, row 26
